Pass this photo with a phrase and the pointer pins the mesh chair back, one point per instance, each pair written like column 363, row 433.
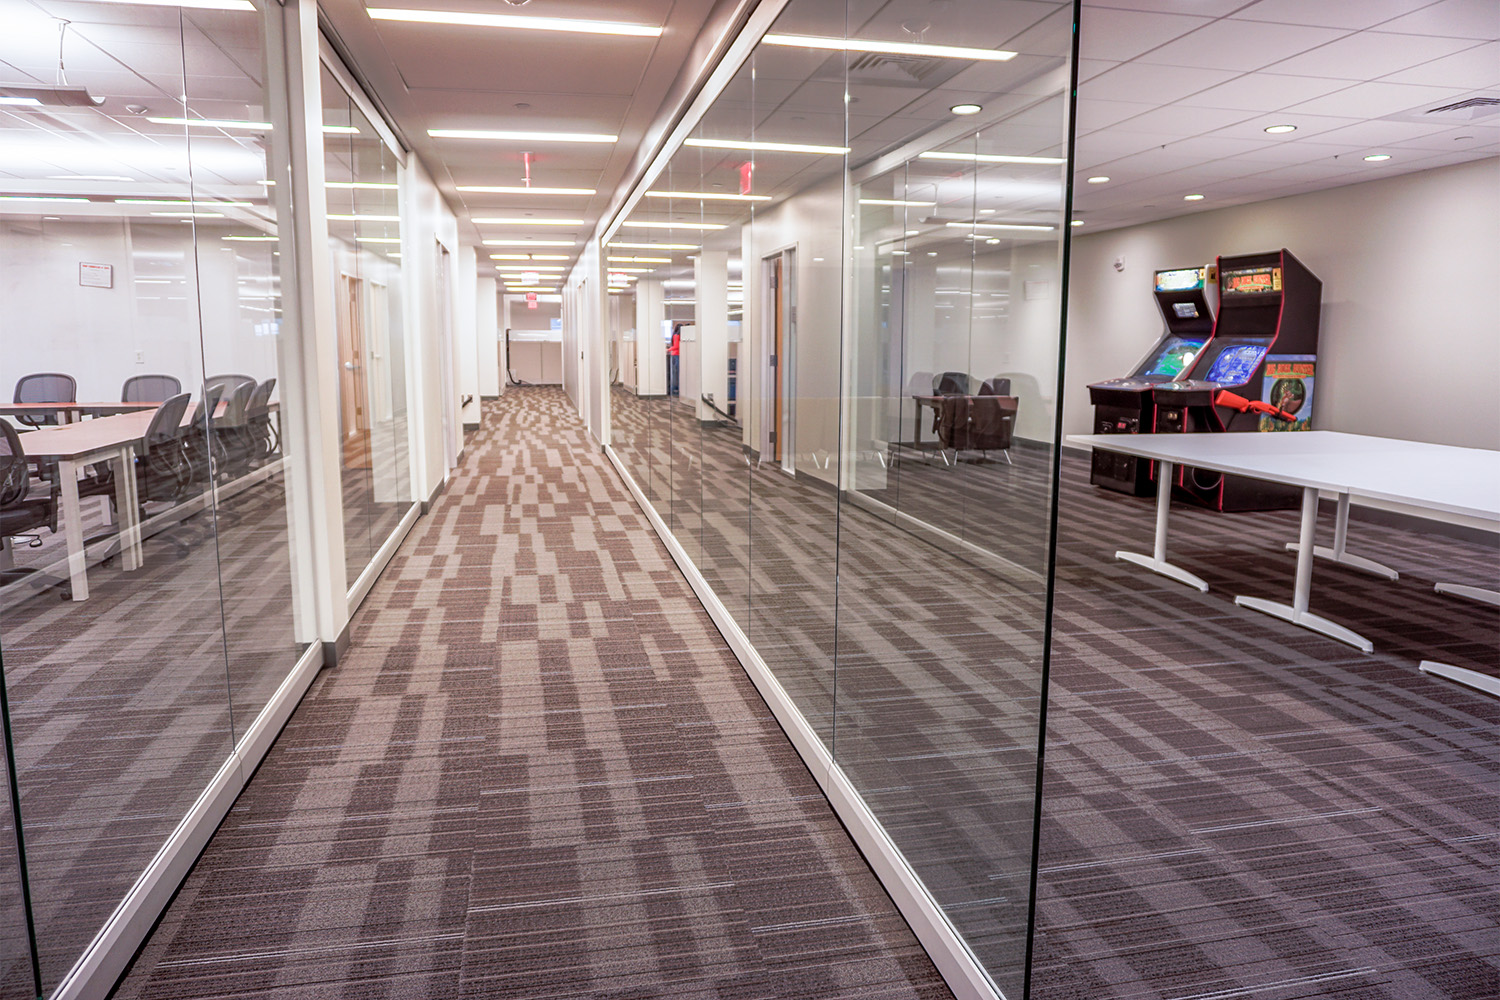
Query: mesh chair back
column 212, row 394
column 150, row 388
column 15, row 480
column 236, row 401
column 228, row 382
column 166, row 423
column 951, row 384
column 920, row 384
column 46, row 387
column 260, row 399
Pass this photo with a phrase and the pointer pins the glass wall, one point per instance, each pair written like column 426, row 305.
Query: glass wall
column 836, row 386
column 364, row 229
column 148, row 606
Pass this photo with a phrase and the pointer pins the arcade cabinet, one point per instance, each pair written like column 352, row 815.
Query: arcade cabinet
column 1126, row 405
column 1269, row 304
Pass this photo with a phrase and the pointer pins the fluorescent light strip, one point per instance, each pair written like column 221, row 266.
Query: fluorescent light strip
column 225, row 123
column 354, row 185
column 340, row 130
column 526, row 268
column 184, row 201
column 655, row 246
column 521, row 21
column 188, row 215
column 527, row 222
column 364, row 218
column 490, row 189
column 897, row 202
column 770, row 147
column 377, row 239
column 20, row 102
column 641, row 260
column 895, row 48
column 707, row 196
column 992, row 158
column 89, row 177
column 675, row 225
column 530, row 256
column 476, row 133
column 530, row 243
column 999, row 225
column 252, row 239
column 632, row 270
column 39, row 197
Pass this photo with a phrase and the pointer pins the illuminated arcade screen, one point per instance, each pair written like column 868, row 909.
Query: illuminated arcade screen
column 1236, row 364
column 1250, row 280
column 1181, row 280
column 1174, row 357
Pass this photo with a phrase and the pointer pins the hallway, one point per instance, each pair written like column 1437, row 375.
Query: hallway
column 538, row 772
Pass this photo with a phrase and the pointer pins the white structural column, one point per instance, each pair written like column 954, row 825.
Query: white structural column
column 650, row 348
column 711, row 271
column 487, row 337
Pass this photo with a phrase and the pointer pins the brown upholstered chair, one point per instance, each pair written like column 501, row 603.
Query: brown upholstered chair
column 977, row 423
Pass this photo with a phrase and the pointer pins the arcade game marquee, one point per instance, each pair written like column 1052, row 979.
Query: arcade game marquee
column 1255, row 374
column 1126, row 405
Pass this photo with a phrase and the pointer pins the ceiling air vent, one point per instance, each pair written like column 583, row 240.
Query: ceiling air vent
column 1467, row 110
column 872, row 67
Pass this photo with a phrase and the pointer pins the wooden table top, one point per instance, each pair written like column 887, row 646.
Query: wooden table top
column 17, row 409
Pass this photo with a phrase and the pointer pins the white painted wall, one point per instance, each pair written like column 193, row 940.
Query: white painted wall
column 466, row 334
column 1410, row 340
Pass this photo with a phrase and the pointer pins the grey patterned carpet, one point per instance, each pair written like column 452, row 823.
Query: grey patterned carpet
column 538, row 773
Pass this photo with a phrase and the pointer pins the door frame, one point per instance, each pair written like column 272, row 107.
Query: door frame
column 778, row 338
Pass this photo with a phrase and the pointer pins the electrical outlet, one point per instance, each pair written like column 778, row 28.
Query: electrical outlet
column 140, row 357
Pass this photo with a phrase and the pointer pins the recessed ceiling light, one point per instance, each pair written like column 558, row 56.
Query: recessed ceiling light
column 769, row 147
column 1192, row 197
column 521, row 21
column 507, row 134
column 966, row 109
column 530, row 243
column 991, row 158
column 895, row 48
column 1280, row 129
column 708, row 196
column 1377, row 157
column 1077, row 222
column 489, row 189
column 1101, row 179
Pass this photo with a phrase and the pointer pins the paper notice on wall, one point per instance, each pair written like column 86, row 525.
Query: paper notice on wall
column 96, row 275
column 1037, row 290
column 1288, row 386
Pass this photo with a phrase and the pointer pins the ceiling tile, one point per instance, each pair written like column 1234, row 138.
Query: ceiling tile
column 1382, row 133
column 1264, row 92
column 1451, row 140
column 1177, row 120
column 1327, row 13
column 1452, row 18
column 1477, row 68
column 1106, row 33
column 1096, row 114
column 1370, row 54
column 1090, row 68
column 1156, row 85
column 1376, row 100
column 1201, row 8
column 1243, row 45
column 1102, row 147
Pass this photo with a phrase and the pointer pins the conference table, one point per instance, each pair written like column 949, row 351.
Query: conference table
column 1410, row 475
column 104, row 439
column 73, row 411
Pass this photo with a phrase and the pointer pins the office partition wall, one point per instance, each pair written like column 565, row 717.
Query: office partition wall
column 839, row 400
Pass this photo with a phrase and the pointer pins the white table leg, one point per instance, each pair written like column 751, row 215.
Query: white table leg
column 1339, row 553
column 72, row 518
column 128, row 508
column 1157, row 561
column 1479, row 594
column 1297, row 612
column 1470, row 678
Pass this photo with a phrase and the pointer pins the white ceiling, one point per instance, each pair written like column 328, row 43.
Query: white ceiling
column 1175, row 97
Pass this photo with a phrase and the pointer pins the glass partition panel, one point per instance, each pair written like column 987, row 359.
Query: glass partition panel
column 118, row 186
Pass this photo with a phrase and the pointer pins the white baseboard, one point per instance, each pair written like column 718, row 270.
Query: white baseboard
column 943, row 944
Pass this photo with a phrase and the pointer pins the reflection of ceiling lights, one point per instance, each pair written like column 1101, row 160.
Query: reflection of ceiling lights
column 1101, row 179
column 477, row 133
column 487, row 189
column 529, row 256
column 1377, row 157
column 39, row 197
column 708, row 196
column 520, row 21
column 225, row 123
column 897, row 202
column 192, row 4
column 527, row 222
column 769, row 147
column 183, row 201
column 1280, row 129
column 654, row 246
column 90, row 177
column 364, row 218
column 28, row 96
column 1000, row 225
column 530, row 243
column 353, row 185
column 251, row 239
column 1192, row 197
column 966, row 109
column 991, row 158
column 377, row 239
column 1077, row 222
column 894, row 48
column 529, row 268
column 641, row 260
column 707, row 226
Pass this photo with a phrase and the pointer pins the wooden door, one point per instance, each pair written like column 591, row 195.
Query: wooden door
column 354, row 402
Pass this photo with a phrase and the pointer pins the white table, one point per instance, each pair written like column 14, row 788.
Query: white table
column 1410, row 474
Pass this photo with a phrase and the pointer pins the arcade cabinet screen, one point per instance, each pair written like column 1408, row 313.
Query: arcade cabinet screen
column 1236, row 364
column 1181, row 280
column 1175, row 355
column 1250, row 280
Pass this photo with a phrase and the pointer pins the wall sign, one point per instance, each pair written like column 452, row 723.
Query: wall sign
column 96, row 275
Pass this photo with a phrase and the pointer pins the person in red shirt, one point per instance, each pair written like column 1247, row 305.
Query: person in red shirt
column 674, row 353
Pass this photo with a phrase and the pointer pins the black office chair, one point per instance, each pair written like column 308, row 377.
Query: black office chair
column 236, row 445
column 24, row 511
column 951, row 384
column 199, row 443
column 161, row 470
column 997, row 386
column 150, row 388
column 45, row 387
column 265, row 442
